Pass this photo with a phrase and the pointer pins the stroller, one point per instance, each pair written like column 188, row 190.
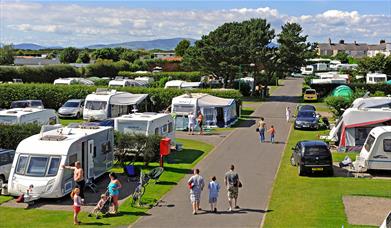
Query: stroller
column 154, row 174
column 102, row 207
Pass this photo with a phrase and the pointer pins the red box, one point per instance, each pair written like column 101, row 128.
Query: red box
column 165, row 146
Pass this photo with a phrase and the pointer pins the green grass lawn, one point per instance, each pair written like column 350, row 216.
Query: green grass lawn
column 65, row 122
column 178, row 164
column 315, row 201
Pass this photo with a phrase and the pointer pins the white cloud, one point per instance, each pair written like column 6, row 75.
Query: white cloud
column 72, row 24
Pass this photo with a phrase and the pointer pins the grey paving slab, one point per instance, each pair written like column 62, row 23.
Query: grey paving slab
column 256, row 163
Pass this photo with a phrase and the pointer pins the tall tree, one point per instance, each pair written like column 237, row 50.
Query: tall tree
column 372, row 64
column 342, row 56
column 7, row 54
column 293, row 47
column 129, row 56
column 181, row 48
column 84, row 57
column 69, row 55
column 106, row 53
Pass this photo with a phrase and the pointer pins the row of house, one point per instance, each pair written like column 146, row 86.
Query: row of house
column 354, row 49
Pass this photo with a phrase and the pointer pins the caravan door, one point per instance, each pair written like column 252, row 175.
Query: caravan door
column 90, row 159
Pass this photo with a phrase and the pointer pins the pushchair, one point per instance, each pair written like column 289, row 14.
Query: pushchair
column 102, row 207
column 154, row 174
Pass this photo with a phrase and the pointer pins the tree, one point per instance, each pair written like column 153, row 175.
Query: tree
column 69, row 55
column 372, row 64
column 387, row 65
column 129, row 56
column 106, row 53
column 84, row 57
column 7, row 54
column 293, row 48
column 181, row 48
column 342, row 56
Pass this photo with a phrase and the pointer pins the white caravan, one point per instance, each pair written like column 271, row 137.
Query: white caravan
column 119, row 82
column 145, row 80
column 148, row 123
column 372, row 102
column 373, row 78
column 307, row 70
column 104, row 104
column 355, row 124
column 329, row 81
column 179, row 84
column 70, row 81
column 376, row 152
column 38, row 159
column 28, row 115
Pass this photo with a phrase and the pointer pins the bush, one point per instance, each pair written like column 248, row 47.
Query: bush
column 194, row 76
column 337, row 105
column 12, row 135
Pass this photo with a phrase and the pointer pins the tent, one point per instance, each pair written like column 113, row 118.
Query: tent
column 388, row 82
column 217, row 112
column 342, row 91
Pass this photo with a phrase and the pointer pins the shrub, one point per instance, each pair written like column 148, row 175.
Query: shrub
column 337, row 105
column 12, row 135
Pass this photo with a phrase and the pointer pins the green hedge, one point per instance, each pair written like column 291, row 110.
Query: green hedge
column 44, row 74
column 12, row 135
column 194, row 76
column 53, row 95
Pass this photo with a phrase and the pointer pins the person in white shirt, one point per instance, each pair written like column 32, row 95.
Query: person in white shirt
column 191, row 118
column 287, row 114
column 214, row 188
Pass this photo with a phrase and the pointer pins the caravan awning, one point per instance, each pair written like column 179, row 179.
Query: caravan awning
column 212, row 101
column 127, row 98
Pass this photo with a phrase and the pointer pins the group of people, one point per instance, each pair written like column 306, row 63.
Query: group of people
column 78, row 197
column 196, row 185
column 192, row 122
column 261, row 128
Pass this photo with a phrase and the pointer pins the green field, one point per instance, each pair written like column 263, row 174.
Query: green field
column 315, row 201
column 180, row 163
column 65, row 122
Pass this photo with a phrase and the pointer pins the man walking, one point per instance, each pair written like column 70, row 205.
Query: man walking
column 262, row 129
column 196, row 185
column 232, row 184
column 78, row 177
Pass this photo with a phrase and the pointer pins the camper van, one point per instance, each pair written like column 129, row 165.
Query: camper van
column 28, row 115
column 147, row 123
column 376, row 152
column 104, row 104
column 38, row 159
column 70, row 81
column 372, row 102
column 373, row 78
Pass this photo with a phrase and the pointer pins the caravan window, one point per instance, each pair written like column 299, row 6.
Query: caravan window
column 21, row 164
column 164, row 129
column 361, row 135
column 157, row 131
column 8, row 119
column 53, row 167
column 183, row 108
column 369, row 143
column 387, row 145
column 37, row 166
column 170, row 127
column 96, row 105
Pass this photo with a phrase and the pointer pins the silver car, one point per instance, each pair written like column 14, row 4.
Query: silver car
column 72, row 109
column 6, row 158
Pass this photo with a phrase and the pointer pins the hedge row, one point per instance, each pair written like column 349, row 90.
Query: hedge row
column 44, row 74
column 12, row 135
column 185, row 76
column 53, row 95
column 325, row 89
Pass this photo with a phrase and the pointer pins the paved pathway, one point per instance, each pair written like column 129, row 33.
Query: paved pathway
column 256, row 163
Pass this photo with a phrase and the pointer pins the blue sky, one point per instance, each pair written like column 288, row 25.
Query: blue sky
column 80, row 23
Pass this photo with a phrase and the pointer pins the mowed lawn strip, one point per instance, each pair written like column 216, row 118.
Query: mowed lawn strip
column 315, row 201
column 178, row 164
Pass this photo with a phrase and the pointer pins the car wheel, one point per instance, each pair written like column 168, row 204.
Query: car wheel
column 293, row 161
column 78, row 115
column 300, row 170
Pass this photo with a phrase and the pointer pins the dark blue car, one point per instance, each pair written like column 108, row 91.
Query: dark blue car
column 307, row 119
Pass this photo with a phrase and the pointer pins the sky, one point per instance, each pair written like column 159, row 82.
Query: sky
column 82, row 23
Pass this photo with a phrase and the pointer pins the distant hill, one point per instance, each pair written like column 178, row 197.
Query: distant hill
column 162, row 44
column 28, row 46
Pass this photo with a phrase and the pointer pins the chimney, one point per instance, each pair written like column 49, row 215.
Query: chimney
column 382, row 41
column 355, row 43
column 329, row 40
column 341, row 42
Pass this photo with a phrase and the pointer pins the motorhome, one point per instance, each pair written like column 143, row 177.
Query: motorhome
column 39, row 158
column 104, row 104
column 373, row 78
column 329, row 81
column 372, row 102
column 355, row 124
column 147, row 123
column 307, row 70
column 70, row 81
column 376, row 152
column 124, row 82
column 331, row 75
column 28, row 115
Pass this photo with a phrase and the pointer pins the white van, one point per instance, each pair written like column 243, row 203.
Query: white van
column 38, row 159
column 376, row 152
column 147, row 123
column 104, row 104
column 28, row 115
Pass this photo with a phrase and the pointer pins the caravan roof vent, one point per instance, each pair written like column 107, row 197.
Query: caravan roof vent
column 27, row 110
column 102, row 91
column 89, row 127
column 12, row 111
column 53, row 138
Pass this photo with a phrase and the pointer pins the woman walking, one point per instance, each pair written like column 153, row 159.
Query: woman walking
column 287, row 114
column 113, row 188
column 262, row 129
column 196, row 185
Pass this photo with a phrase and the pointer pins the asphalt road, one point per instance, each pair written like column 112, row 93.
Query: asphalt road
column 256, row 163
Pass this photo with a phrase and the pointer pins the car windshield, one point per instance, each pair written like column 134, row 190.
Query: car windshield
column 36, row 103
column 369, row 142
column 316, row 151
column 71, row 104
column 20, row 104
column 38, row 166
column 307, row 107
column 306, row 114
column 310, row 92
column 134, row 127
column 96, row 105
column 7, row 119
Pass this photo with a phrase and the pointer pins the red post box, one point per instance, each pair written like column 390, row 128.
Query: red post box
column 165, row 149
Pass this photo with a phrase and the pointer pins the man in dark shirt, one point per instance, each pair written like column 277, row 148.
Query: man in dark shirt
column 232, row 183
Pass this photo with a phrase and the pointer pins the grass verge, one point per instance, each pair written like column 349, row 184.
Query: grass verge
column 65, row 122
column 179, row 164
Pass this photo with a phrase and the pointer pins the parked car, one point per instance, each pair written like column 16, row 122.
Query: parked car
column 306, row 108
column 312, row 156
column 310, row 95
column 72, row 108
column 27, row 104
column 6, row 158
column 307, row 119
column 387, row 221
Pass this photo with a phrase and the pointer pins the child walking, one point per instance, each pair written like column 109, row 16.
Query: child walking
column 272, row 132
column 77, row 201
column 214, row 188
